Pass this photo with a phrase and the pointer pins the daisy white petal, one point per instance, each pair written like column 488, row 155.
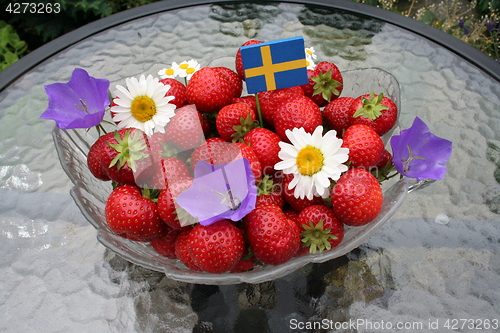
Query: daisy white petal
column 170, row 72
column 143, row 105
column 122, row 92
column 313, row 159
column 188, row 68
column 119, row 109
column 285, row 164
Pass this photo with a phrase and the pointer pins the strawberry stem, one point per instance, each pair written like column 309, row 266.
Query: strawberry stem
column 259, row 113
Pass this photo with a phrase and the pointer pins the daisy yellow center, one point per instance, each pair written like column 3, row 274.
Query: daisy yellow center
column 190, row 70
column 143, row 108
column 183, row 66
column 309, row 161
column 170, row 71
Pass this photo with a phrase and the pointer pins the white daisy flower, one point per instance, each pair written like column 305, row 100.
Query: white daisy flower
column 170, row 72
column 313, row 159
column 188, row 68
column 310, row 57
column 143, row 105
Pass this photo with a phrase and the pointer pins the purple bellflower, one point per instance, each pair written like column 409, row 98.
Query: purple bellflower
column 80, row 103
column 417, row 153
column 218, row 192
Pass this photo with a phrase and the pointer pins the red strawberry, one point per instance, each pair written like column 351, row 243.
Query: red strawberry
column 158, row 146
column 249, row 154
column 320, row 229
column 166, row 244
column 113, row 113
column 246, row 263
column 168, row 210
column 173, row 169
column 327, row 83
column 384, row 167
column 131, row 215
column 234, row 80
column 123, row 150
column 182, row 250
column 270, row 192
column 178, row 90
column 337, row 115
column 159, row 175
column 94, row 158
column 265, row 144
column 296, row 203
column 309, row 90
column 366, row 148
column 377, row 111
column 209, row 90
column 274, row 238
column 357, row 197
column 291, row 213
column 205, row 124
column 248, row 100
column 271, row 99
column 295, row 113
column 184, row 129
column 386, row 160
column 216, row 248
column 234, row 121
column 215, row 151
column 238, row 63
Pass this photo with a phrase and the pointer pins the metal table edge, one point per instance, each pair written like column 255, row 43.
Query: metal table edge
column 460, row 48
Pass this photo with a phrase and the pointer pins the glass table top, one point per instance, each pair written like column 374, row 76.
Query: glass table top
column 436, row 261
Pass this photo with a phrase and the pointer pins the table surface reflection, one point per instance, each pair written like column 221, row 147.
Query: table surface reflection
column 437, row 260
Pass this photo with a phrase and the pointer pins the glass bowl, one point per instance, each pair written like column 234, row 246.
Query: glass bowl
column 90, row 195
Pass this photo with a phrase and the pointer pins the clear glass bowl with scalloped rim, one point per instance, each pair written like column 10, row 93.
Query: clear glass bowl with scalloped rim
column 90, row 195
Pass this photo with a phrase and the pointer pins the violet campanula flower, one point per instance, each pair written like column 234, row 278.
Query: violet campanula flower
column 490, row 26
column 80, row 103
column 417, row 153
column 223, row 191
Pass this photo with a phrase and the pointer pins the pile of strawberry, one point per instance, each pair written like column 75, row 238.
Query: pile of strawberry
column 142, row 207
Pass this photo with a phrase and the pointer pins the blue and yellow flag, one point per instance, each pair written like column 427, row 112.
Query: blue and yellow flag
column 274, row 65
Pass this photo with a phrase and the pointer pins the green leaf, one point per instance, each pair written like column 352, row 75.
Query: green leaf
column 13, row 38
column 19, row 45
column 4, row 36
column 10, row 58
column 428, row 17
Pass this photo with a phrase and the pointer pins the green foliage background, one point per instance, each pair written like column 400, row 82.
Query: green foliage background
column 11, row 46
column 22, row 33
column 38, row 29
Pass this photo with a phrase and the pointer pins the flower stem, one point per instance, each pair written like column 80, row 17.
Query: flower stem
column 100, row 129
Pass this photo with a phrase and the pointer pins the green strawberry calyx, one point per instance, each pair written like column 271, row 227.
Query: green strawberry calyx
column 325, row 85
column 151, row 194
column 246, row 124
column 316, row 237
column 265, row 186
column 130, row 149
column 372, row 107
column 184, row 217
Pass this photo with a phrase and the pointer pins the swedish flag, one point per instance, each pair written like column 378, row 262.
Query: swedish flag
column 274, row 65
